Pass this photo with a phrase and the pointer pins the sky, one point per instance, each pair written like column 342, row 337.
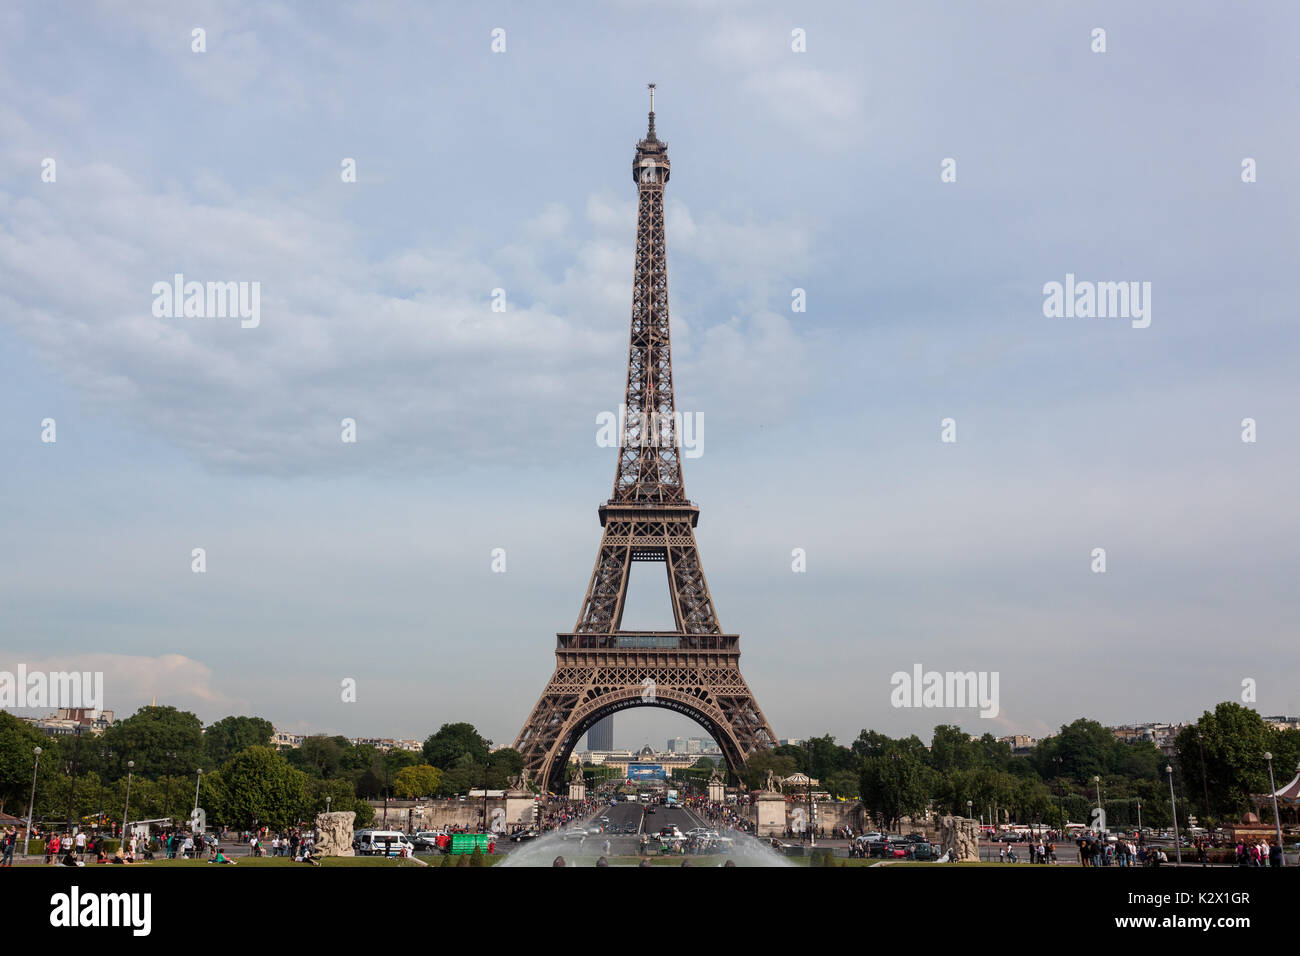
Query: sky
column 808, row 145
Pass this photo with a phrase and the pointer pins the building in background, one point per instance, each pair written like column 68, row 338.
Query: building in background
column 692, row 745
column 66, row 720
column 601, row 736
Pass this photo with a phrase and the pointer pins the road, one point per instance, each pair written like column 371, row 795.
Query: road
column 635, row 816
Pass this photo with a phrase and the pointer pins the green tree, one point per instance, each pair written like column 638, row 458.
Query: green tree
column 996, row 753
column 259, row 784
column 826, row 757
column 503, row 765
column 1286, row 755
column 463, row 775
column 230, row 735
column 843, row 783
column 1085, row 749
column 1234, row 739
column 453, row 741
column 161, row 741
column 894, row 784
column 421, row 780
column 952, row 749
column 18, row 740
column 320, row 756
column 755, row 771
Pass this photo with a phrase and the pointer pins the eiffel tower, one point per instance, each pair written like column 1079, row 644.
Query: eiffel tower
column 600, row 668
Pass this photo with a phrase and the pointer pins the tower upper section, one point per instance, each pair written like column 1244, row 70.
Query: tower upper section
column 650, row 164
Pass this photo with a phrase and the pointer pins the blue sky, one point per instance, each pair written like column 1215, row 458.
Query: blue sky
column 816, row 170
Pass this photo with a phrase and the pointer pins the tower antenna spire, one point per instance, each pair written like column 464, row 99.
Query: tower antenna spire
column 651, row 134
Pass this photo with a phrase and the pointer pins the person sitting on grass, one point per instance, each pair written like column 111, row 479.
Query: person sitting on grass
column 101, row 856
column 70, row 857
column 219, row 857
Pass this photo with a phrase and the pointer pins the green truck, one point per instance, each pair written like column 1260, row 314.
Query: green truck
column 465, row 842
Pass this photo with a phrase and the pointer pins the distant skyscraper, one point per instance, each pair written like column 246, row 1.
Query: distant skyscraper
column 601, row 736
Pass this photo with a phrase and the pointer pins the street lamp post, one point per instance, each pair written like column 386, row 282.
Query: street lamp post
column 1173, row 805
column 130, row 767
column 1272, row 786
column 1101, row 814
column 27, row 841
column 969, row 805
column 197, row 780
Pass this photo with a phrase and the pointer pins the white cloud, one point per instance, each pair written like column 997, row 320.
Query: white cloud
column 406, row 344
column 132, row 681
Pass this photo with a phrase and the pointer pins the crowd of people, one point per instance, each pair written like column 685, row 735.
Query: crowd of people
column 1258, row 854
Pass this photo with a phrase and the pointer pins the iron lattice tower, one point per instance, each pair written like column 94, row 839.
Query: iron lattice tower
column 600, row 668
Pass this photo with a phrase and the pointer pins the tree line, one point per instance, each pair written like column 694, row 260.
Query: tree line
column 244, row 779
column 1217, row 761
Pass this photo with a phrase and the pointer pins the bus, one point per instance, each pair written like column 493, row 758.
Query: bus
column 672, row 798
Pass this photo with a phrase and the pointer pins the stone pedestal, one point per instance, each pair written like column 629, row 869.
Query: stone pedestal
column 519, row 807
column 334, row 833
column 770, row 809
column 717, row 789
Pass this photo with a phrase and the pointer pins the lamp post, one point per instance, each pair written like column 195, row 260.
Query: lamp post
column 1101, row 814
column 130, row 767
column 27, row 840
column 197, row 780
column 969, row 804
column 1173, row 805
column 1272, row 786
column 1139, row 820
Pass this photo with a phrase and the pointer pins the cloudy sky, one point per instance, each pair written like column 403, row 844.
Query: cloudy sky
column 818, row 170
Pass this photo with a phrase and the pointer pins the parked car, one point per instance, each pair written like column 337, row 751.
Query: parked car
column 922, row 851
column 426, row 840
column 523, row 835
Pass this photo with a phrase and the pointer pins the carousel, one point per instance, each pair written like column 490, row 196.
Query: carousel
column 1288, row 802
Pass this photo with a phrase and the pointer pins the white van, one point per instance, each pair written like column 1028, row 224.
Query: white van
column 383, row 843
